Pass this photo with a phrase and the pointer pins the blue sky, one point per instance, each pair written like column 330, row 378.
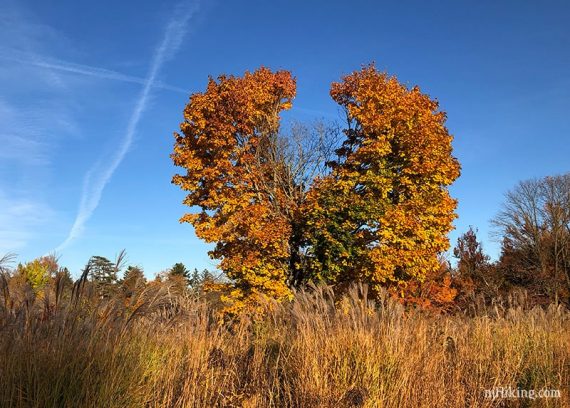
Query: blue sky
column 92, row 91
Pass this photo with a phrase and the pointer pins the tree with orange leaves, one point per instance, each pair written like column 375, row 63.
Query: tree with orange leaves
column 380, row 213
column 382, row 216
column 229, row 146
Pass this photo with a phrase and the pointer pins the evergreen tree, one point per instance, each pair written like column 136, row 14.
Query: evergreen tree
column 178, row 269
column 103, row 274
column 133, row 280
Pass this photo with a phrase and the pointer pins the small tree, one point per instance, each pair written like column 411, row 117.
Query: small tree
column 133, row 280
column 103, row 274
column 195, row 280
column 39, row 271
column 65, row 277
column 134, row 273
column 474, row 273
column 179, row 269
column 471, row 259
column 200, row 280
column 36, row 273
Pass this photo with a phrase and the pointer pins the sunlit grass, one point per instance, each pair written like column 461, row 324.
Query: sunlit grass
column 162, row 349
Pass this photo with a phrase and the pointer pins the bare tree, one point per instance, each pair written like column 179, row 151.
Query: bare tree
column 535, row 222
column 293, row 158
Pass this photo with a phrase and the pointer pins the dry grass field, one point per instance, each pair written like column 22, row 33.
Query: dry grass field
column 160, row 348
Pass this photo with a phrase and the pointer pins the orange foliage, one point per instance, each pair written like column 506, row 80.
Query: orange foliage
column 227, row 144
column 383, row 214
column 436, row 291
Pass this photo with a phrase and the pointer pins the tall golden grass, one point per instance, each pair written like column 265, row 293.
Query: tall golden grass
column 160, row 348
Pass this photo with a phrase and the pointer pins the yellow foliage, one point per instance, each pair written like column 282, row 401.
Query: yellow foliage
column 383, row 214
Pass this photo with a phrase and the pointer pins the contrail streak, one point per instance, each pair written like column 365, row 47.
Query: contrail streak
column 98, row 177
column 40, row 61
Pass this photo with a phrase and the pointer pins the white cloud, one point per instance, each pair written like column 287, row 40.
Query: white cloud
column 29, row 59
column 98, row 177
column 28, row 134
column 35, row 113
column 20, row 219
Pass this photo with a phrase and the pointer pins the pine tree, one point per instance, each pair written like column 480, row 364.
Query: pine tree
column 103, row 274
